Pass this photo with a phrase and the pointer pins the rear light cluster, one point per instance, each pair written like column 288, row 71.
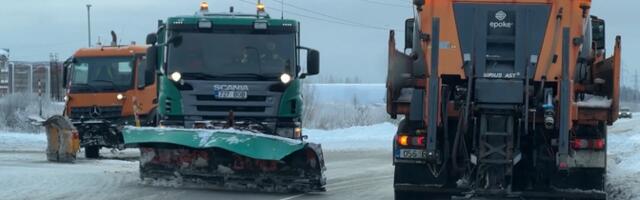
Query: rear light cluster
column 408, row 141
column 596, row 144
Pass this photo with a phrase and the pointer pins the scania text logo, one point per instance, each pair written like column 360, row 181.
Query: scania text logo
column 501, row 16
column 231, row 87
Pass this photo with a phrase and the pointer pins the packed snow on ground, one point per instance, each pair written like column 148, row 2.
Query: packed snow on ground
column 624, row 159
column 623, row 149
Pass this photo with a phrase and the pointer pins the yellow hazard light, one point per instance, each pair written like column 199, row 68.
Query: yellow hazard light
column 204, row 6
column 260, row 7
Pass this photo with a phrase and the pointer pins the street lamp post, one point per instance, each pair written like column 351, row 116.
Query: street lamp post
column 89, row 22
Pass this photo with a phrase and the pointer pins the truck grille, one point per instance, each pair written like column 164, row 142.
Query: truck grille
column 96, row 112
column 202, row 103
column 252, row 98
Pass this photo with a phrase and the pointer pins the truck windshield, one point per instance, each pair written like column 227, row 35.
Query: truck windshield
column 231, row 55
column 102, row 74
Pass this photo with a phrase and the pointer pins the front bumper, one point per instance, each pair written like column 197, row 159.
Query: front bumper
column 101, row 132
column 467, row 194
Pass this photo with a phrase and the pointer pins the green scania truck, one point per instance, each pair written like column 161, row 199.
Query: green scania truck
column 230, row 104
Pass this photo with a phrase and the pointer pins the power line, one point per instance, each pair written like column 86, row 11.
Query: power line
column 333, row 17
column 387, row 4
column 334, row 20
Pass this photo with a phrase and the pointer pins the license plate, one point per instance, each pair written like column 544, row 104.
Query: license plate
column 230, row 94
column 412, row 154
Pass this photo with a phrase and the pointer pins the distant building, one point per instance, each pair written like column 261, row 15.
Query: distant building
column 22, row 78
column 31, row 77
column 5, row 72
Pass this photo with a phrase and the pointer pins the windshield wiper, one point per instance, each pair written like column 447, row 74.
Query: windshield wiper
column 200, row 76
column 253, row 75
column 91, row 87
column 109, row 81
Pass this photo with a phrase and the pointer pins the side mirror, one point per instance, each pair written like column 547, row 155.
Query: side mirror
column 313, row 62
column 141, row 65
column 149, row 75
column 65, row 72
column 409, row 27
column 146, row 74
column 598, row 32
column 152, row 39
column 152, row 58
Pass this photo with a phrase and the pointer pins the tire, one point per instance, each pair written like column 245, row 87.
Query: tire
column 92, row 152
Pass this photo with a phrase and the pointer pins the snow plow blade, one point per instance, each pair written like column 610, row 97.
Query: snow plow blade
column 227, row 159
column 62, row 139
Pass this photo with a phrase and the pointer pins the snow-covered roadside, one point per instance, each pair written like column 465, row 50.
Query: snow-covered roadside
column 374, row 137
column 624, row 160
column 623, row 149
column 23, row 142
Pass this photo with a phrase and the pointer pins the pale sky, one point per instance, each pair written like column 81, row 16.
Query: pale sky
column 32, row 29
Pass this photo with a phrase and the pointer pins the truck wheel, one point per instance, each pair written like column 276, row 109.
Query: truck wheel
column 92, row 152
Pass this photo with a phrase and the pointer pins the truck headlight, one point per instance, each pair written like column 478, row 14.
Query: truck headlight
column 120, row 97
column 176, row 76
column 285, row 78
column 65, row 98
column 286, row 132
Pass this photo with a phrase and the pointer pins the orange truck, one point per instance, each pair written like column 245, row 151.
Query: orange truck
column 108, row 87
column 503, row 99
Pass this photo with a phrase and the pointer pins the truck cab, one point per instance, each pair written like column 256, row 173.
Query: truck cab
column 107, row 88
column 231, row 70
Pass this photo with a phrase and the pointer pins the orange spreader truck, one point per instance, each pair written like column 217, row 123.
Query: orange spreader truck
column 108, row 87
column 503, row 99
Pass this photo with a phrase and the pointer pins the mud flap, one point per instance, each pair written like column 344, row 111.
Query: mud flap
column 62, row 139
column 253, row 145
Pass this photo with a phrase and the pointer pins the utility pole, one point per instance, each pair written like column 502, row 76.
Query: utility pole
column 635, row 86
column 89, row 22
column 40, row 85
column 282, row 10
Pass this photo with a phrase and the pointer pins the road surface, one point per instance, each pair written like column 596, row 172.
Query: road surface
column 351, row 174
column 27, row 175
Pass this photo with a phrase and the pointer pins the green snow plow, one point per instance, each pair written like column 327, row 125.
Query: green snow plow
column 230, row 104
column 228, row 159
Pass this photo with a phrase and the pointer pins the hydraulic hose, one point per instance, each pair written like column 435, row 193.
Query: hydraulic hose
column 456, row 144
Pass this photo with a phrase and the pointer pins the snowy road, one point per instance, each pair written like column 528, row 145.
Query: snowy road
column 26, row 175
column 358, row 164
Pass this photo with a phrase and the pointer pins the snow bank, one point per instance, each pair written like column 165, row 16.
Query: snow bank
column 17, row 109
column 334, row 106
column 365, row 94
column 22, row 142
column 624, row 159
column 374, row 137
